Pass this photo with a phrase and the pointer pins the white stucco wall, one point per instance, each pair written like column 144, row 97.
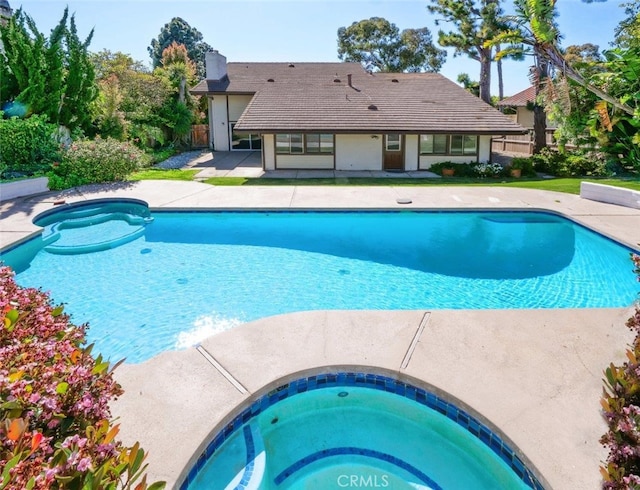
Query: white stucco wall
column 218, row 122
column 358, row 152
column 237, row 105
column 484, row 148
column 525, row 117
column 411, row 152
column 304, row 162
column 268, row 151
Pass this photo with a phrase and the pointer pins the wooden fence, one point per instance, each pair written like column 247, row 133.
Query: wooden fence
column 200, row 136
column 519, row 143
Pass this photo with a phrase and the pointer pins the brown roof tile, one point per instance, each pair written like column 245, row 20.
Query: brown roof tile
column 521, row 99
column 316, row 97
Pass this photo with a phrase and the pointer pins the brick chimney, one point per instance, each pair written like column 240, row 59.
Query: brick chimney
column 216, row 65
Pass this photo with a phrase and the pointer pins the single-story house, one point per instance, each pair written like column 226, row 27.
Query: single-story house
column 340, row 116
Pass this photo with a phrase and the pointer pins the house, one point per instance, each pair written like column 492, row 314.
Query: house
column 339, row 116
column 522, row 103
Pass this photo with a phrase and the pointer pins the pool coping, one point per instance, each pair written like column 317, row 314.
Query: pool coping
column 545, row 365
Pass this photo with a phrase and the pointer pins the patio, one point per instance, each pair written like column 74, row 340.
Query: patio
column 534, row 376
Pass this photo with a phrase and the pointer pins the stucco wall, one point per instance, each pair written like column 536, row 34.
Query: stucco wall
column 525, row 117
column 358, row 152
column 237, row 105
column 219, row 125
column 484, row 148
column 411, row 152
column 268, row 151
column 304, row 161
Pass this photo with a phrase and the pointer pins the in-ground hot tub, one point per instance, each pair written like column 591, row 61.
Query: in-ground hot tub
column 356, row 430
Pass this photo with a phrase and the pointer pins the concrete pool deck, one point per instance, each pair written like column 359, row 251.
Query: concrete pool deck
column 533, row 375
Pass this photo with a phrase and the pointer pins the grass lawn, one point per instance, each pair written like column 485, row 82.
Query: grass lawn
column 568, row 185
column 160, row 174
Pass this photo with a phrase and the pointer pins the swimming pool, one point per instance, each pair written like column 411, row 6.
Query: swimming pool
column 149, row 282
column 399, row 436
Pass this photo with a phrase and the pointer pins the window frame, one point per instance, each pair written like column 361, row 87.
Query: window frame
column 433, row 151
column 302, row 144
column 460, row 141
column 386, row 142
column 463, row 149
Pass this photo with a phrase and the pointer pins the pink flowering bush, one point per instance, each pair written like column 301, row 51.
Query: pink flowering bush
column 96, row 161
column 54, row 413
column 621, row 409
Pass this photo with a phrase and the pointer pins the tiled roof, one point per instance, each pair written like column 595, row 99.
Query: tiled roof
column 521, row 99
column 317, row 97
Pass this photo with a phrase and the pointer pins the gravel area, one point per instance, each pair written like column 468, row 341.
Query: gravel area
column 182, row 160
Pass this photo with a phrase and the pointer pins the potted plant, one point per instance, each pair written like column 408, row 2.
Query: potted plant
column 516, row 166
column 448, row 171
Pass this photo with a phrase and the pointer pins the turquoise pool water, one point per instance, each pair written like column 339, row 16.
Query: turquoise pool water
column 149, row 283
column 398, row 437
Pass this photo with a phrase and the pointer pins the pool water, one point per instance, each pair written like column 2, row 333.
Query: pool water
column 394, row 442
column 174, row 278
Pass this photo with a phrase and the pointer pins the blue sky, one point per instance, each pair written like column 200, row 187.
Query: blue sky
column 301, row 30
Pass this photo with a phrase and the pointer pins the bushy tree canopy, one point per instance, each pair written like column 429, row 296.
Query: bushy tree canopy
column 52, row 76
column 180, row 32
column 380, row 46
column 475, row 22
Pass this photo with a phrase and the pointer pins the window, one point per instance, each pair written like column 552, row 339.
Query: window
column 295, row 144
column 289, row 143
column 242, row 141
column 463, row 144
column 433, row 144
column 392, row 142
column 319, row 143
column 444, row 144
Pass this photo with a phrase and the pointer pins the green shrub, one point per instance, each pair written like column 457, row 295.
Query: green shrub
column 620, row 402
column 487, row 169
column 525, row 164
column 96, row 161
column 569, row 164
column 27, row 146
column 460, row 169
column 55, row 428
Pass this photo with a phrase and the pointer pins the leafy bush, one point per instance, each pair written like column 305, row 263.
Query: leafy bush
column 96, row 161
column 460, row 169
column 27, row 146
column 568, row 164
column 525, row 164
column 488, row 169
column 54, row 427
column 621, row 410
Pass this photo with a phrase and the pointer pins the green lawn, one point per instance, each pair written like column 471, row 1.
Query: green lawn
column 160, row 174
column 568, row 185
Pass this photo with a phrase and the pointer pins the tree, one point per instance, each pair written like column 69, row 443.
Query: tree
column 131, row 99
column 533, row 29
column 180, row 32
column 379, row 46
column 178, row 68
column 470, row 85
column 475, row 22
column 628, row 31
column 51, row 76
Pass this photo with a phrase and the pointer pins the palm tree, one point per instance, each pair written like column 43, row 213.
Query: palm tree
column 535, row 31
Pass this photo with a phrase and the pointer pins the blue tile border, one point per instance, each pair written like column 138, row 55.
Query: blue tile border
column 377, row 382
column 339, row 451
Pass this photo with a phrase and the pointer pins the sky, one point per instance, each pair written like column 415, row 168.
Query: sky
column 296, row 30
